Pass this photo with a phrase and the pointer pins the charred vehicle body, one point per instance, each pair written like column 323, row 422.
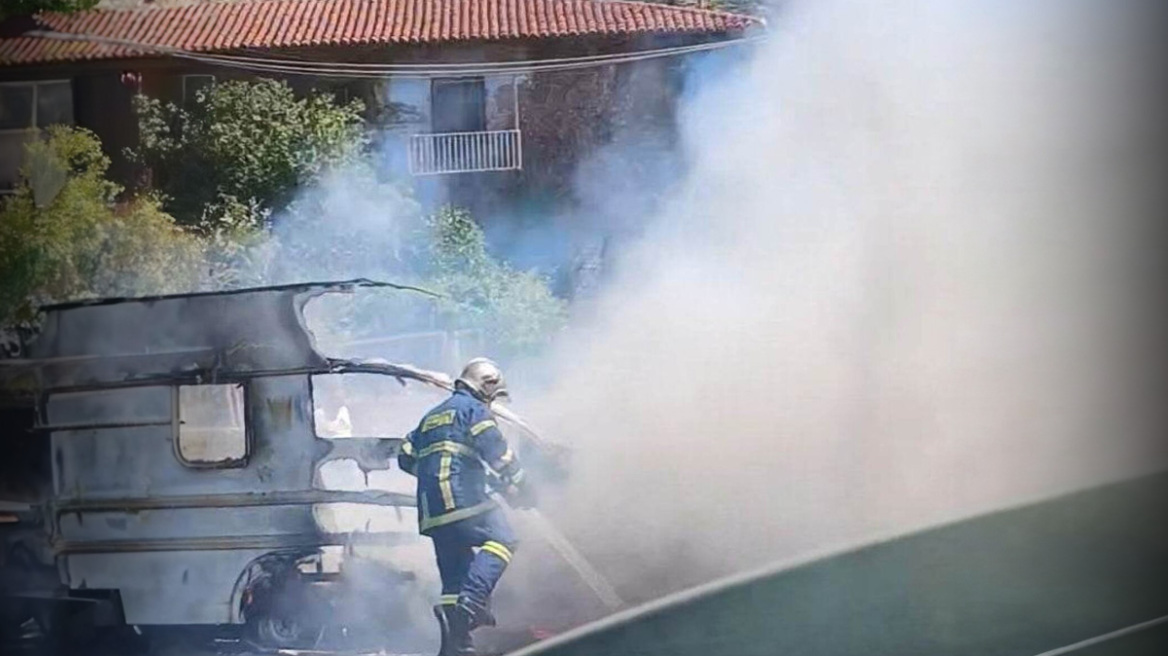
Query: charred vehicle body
column 186, row 439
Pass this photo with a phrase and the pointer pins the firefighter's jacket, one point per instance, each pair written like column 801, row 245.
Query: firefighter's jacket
column 449, row 452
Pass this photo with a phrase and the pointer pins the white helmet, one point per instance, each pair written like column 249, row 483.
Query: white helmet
column 484, row 379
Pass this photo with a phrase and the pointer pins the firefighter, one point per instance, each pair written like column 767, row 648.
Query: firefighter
column 456, row 452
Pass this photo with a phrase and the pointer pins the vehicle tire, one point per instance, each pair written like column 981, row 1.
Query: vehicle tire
column 275, row 631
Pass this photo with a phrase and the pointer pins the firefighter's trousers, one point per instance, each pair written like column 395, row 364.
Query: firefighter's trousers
column 472, row 555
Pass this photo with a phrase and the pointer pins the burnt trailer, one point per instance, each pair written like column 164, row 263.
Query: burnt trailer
column 186, row 445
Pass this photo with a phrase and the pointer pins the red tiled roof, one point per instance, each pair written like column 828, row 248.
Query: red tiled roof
column 224, row 26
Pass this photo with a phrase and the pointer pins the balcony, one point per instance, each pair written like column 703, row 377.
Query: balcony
column 466, row 152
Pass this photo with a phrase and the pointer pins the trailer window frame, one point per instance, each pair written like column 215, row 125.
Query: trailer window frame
column 231, row 462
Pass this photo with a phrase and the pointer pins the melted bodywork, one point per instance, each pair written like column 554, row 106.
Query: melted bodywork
column 201, row 337
column 129, row 512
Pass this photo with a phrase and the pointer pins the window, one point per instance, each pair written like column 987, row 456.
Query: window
column 343, row 91
column 369, row 405
column 17, row 103
column 458, row 105
column 54, row 104
column 211, row 428
column 24, row 107
column 407, row 107
column 192, row 84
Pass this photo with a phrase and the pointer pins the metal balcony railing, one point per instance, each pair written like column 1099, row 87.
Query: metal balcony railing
column 466, row 152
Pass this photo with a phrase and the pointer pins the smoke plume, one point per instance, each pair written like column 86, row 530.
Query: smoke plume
column 893, row 280
column 895, row 287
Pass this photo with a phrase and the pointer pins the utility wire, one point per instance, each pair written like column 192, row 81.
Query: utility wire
column 659, row 52
column 343, row 71
column 360, row 70
column 310, row 67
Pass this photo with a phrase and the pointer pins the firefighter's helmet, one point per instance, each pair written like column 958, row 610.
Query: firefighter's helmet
column 484, row 379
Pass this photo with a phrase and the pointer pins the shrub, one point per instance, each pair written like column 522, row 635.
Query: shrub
column 246, row 143
column 515, row 309
column 63, row 235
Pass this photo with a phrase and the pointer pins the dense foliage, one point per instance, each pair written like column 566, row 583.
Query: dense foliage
column 515, row 309
column 30, row 7
column 248, row 144
column 255, row 186
column 63, row 235
column 444, row 252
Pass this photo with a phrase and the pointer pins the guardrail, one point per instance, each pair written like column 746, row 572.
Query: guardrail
column 466, row 152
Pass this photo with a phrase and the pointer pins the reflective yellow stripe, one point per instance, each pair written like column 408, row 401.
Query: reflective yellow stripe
column 500, row 550
column 481, row 426
column 448, row 599
column 444, row 481
column 503, row 463
column 407, row 448
column 517, row 476
column 448, row 447
column 428, row 522
column 438, row 419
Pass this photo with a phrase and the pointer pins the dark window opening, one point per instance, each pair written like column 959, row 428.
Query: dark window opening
column 458, row 105
column 16, row 106
column 193, row 84
column 24, row 107
column 54, row 104
column 25, row 470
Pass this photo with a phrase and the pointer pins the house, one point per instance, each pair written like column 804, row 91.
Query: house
column 472, row 131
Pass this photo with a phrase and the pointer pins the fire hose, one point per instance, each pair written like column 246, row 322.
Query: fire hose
column 588, row 574
column 594, row 580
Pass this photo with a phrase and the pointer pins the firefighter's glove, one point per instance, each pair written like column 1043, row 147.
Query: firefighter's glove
column 521, row 495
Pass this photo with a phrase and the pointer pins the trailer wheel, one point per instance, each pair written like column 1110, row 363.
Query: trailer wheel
column 276, row 604
column 276, row 631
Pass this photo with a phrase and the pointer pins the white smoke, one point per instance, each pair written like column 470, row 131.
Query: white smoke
column 889, row 292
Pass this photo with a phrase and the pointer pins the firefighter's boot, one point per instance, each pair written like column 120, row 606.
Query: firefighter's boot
column 483, row 617
column 461, row 621
column 440, row 614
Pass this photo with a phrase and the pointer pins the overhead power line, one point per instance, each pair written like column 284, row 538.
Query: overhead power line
column 338, row 69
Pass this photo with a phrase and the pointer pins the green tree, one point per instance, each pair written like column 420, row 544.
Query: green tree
column 373, row 229
column 248, row 144
column 30, row 7
column 63, row 235
column 515, row 309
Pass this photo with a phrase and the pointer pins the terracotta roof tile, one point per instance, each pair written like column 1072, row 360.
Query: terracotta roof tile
column 221, row 26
